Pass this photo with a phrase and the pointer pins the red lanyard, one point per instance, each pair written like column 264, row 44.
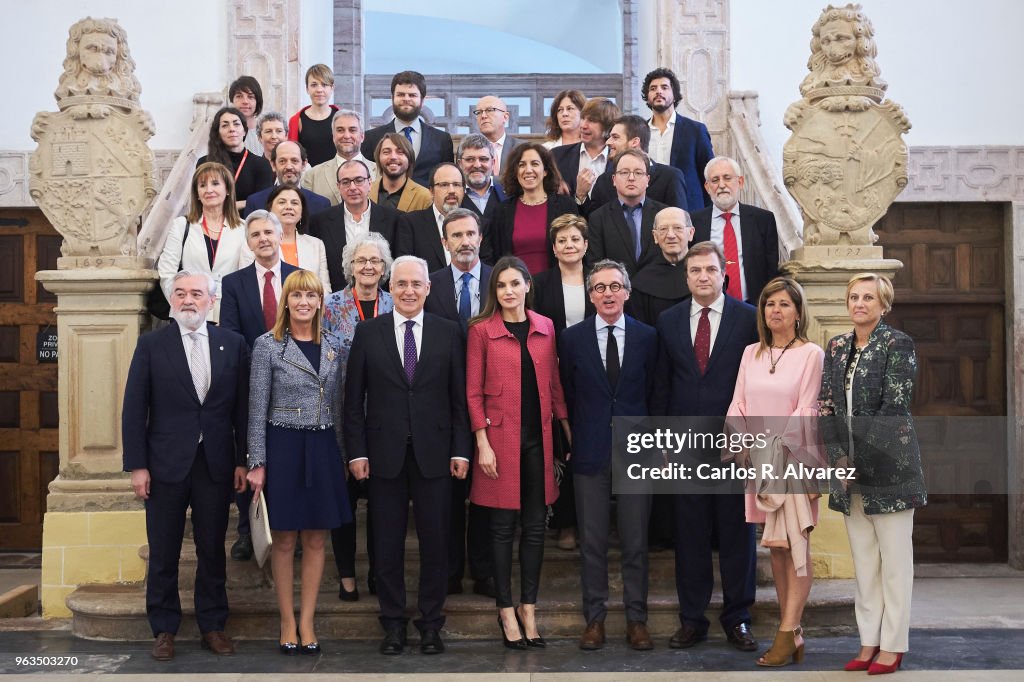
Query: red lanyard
column 359, row 308
column 238, row 170
column 214, row 243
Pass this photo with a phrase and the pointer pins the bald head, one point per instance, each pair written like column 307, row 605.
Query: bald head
column 672, row 232
column 491, row 123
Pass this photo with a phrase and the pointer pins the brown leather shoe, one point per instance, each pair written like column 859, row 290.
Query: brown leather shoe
column 638, row 637
column 218, row 643
column 593, row 636
column 686, row 636
column 163, row 647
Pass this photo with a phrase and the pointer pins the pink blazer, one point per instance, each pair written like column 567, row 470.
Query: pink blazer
column 493, row 394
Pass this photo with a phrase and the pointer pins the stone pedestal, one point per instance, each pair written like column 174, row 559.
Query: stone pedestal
column 94, row 525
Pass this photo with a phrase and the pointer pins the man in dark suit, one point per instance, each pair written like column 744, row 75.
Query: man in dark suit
column 406, row 424
column 491, row 119
column 747, row 234
column 419, row 232
column 183, row 425
column 621, row 229
column 607, row 364
column 288, row 160
column 676, row 140
column 483, row 191
column 455, row 293
column 431, row 145
column 581, row 164
column 665, row 183
column 700, row 345
column 354, row 216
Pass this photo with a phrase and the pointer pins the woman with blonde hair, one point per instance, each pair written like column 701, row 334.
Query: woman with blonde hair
column 294, row 447
column 866, row 388
column 776, row 392
column 208, row 238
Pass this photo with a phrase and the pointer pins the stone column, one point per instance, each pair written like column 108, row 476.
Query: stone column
column 348, row 53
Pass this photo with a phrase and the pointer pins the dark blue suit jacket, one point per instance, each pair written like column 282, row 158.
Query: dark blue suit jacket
column 691, row 151
column 241, row 302
column 435, row 147
column 258, row 200
column 162, row 417
column 591, row 401
column 441, row 300
column 680, row 389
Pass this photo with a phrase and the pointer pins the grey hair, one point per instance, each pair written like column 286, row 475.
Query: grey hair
column 458, row 214
column 412, row 259
column 211, row 285
column 368, row 239
column 475, row 141
column 608, row 264
column 271, row 116
column 347, row 112
column 260, row 214
column 732, row 162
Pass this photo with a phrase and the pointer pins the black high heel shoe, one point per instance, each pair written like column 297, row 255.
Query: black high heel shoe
column 289, row 648
column 312, row 649
column 518, row 644
column 537, row 642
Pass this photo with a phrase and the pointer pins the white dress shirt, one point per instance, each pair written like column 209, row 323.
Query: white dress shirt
column 275, row 281
column 203, row 334
column 357, row 228
column 417, row 133
column 439, row 219
column 619, row 330
column 496, row 148
column 474, row 286
column 417, row 332
column 660, row 148
column 575, row 298
column 714, row 318
column 596, row 164
column 718, row 237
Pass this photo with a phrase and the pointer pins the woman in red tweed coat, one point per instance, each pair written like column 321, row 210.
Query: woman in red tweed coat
column 513, row 391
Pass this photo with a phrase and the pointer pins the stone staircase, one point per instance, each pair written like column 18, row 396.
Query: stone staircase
column 118, row 612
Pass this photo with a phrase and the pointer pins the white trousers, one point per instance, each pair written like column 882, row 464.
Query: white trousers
column 883, row 560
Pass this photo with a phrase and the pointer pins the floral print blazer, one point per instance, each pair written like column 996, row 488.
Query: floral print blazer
column 885, row 452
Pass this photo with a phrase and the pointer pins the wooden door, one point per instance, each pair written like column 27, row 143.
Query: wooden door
column 950, row 299
column 28, row 389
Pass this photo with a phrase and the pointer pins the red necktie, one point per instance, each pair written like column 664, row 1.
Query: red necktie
column 702, row 341
column 269, row 301
column 732, row 259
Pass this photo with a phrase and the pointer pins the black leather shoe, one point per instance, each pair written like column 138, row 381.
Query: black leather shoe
column 393, row 643
column 312, row 649
column 348, row 595
column 242, row 549
column 485, row 588
column 454, row 586
column 289, row 649
column 686, row 637
column 741, row 637
column 430, row 642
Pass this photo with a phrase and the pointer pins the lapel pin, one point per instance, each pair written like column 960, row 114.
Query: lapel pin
column 222, row 347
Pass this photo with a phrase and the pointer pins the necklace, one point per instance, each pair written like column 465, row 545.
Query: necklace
column 533, row 203
column 775, row 362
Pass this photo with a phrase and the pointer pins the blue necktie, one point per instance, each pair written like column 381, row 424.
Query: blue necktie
column 408, row 133
column 410, row 352
column 631, row 216
column 465, row 305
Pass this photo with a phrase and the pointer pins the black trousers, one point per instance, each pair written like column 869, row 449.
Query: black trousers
column 431, row 505
column 165, row 528
column 470, row 536
column 343, row 538
column 532, row 514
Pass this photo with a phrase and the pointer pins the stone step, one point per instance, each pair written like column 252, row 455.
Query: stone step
column 118, row 612
column 561, row 568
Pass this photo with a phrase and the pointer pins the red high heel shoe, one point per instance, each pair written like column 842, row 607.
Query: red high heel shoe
column 856, row 665
column 877, row 668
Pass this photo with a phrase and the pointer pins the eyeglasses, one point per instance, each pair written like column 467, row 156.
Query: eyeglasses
column 614, row 287
column 490, row 111
column 476, row 159
column 630, row 174
column 360, row 262
column 347, row 182
column 447, row 185
column 679, row 229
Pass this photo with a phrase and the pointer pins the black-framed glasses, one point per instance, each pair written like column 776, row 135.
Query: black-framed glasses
column 347, row 182
column 614, row 287
column 489, row 111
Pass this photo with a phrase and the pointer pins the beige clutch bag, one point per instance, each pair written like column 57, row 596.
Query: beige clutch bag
column 259, row 524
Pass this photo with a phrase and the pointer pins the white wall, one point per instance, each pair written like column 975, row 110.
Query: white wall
column 178, row 48
column 317, row 44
